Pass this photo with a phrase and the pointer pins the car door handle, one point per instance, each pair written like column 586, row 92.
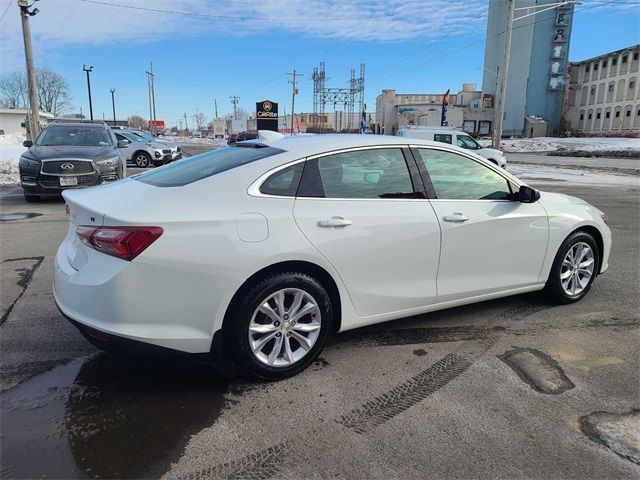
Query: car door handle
column 456, row 217
column 334, row 222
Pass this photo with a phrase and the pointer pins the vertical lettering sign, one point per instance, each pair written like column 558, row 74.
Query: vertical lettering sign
column 267, row 115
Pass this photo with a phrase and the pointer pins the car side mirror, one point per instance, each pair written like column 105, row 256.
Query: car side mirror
column 123, row 143
column 27, row 143
column 528, row 194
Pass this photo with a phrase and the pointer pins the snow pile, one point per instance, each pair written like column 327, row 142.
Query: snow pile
column 547, row 175
column 570, row 144
column 10, row 150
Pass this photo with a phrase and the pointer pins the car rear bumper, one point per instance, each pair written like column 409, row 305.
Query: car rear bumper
column 134, row 301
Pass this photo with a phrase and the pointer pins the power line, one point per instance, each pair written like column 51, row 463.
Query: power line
column 4, row 14
column 489, row 37
column 224, row 17
column 422, row 49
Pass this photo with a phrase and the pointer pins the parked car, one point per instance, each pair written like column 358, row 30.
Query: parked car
column 454, row 137
column 176, row 150
column 142, row 153
column 70, row 154
column 241, row 137
column 233, row 138
column 265, row 248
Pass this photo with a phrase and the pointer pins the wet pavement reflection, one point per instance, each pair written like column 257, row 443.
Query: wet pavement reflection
column 106, row 415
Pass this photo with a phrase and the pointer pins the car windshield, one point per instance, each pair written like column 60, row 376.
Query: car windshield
column 131, row 137
column 76, row 136
column 465, row 141
column 144, row 135
column 205, row 165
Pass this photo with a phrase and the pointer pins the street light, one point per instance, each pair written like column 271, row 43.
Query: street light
column 113, row 104
column 89, row 69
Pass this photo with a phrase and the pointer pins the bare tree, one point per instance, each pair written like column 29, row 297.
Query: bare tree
column 13, row 91
column 53, row 91
column 200, row 120
column 242, row 113
column 136, row 121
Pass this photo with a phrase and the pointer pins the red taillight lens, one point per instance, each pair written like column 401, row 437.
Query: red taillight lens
column 122, row 242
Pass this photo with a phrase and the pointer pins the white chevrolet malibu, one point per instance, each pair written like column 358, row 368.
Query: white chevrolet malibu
column 261, row 250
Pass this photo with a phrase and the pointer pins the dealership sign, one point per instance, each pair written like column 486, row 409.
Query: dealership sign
column 267, row 115
column 156, row 123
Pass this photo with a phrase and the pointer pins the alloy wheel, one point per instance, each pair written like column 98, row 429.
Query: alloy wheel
column 142, row 161
column 285, row 327
column 577, row 269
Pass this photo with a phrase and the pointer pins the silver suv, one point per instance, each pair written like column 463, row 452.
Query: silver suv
column 143, row 153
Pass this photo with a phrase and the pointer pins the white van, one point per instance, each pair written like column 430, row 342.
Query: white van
column 454, row 137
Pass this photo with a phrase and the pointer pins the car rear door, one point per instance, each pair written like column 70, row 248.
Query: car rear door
column 366, row 212
column 490, row 242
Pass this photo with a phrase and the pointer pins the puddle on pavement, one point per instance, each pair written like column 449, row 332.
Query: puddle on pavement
column 106, row 416
column 8, row 217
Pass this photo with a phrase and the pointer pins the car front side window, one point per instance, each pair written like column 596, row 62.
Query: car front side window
column 455, row 177
column 361, row 174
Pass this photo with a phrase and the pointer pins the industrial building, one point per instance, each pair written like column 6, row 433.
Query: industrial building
column 14, row 120
column 603, row 94
column 537, row 66
column 468, row 110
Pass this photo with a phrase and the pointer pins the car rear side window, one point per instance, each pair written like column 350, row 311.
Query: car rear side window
column 205, row 165
column 283, row 183
column 371, row 173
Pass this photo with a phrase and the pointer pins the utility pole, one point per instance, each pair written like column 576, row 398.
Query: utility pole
column 186, row 125
column 113, row 104
column 152, row 97
column 215, row 107
column 34, row 105
column 502, row 80
column 294, row 92
column 234, row 102
column 89, row 70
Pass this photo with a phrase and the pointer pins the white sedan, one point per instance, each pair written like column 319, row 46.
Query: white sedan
column 263, row 249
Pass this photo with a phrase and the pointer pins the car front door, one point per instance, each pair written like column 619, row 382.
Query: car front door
column 490, row 242
column 366, row 212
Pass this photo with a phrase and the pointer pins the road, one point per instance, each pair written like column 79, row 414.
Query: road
column 433, row 395
column 629, row 165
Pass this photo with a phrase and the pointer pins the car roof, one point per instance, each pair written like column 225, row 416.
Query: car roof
column 76, row 124
column 307, row 145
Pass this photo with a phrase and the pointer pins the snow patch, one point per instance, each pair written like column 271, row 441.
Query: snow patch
column 551, row 144
column 545, row 175
column 10, row 150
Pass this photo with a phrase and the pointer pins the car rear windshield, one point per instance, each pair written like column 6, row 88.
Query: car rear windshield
column 205, row 165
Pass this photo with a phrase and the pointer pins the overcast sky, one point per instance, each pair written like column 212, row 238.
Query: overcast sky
column 224, row 48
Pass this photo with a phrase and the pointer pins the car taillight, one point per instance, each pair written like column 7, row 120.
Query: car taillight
column 122, row 242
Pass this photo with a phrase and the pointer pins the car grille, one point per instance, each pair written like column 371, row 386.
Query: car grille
column 55, row 167
column 54, row 182
column 166, row 150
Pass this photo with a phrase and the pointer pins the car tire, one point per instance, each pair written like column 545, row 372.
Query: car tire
column 574, row 268
column 280, row 344
column 31, row 198
column 142, row 159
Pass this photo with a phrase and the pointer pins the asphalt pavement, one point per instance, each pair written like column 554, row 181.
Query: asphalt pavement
column 509, row 388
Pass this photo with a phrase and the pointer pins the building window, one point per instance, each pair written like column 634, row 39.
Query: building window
column 611, row 86
column 635, row 55
column 604, row 64
column 598, row 116
column 595, row 67
column 618, row 114
column 593, row 90
column 614, row 61
column 628, row 113
column 632, row 84
column 587, row 68
column 590, row 116
column 607, row 115
column 582, row 116
column 624, row 59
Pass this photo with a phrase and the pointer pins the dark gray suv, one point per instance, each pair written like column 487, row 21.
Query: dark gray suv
column 70, row 155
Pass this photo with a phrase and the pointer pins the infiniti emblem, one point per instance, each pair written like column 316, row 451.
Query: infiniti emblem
column 67, row 166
